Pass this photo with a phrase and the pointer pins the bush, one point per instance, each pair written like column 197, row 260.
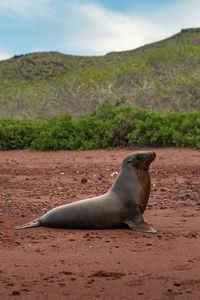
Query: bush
column 53, row 133
column 166, row 129
column 110, row 126
column 15, row 134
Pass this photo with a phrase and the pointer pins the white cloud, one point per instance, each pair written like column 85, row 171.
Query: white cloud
column 82, row 27
column 175, row 15
column 12, row 5
column 26, row 10
column 4, row 55
column 188, row 13
column 97, row 30
column 20, row 5
column 90, row 28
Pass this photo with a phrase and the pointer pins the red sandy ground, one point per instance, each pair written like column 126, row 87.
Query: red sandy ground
column 46, row 263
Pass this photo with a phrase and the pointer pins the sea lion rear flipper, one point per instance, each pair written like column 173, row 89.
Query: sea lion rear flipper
column 144, row 227
column 30, row 224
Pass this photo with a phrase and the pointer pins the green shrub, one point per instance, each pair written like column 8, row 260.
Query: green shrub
column 110, row 126
column 53, row 133
column 15, row 134
column 166, row 129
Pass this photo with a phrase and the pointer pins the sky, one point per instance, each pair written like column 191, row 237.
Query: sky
column 90, row 27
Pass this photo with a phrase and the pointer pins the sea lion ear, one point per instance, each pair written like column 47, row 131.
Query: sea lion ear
column 131, row 161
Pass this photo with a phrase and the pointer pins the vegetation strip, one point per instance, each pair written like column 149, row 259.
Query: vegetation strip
column 110, row 126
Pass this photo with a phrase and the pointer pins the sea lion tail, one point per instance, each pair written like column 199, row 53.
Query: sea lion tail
column 34, row 223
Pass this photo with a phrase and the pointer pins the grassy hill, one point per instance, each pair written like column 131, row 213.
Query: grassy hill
column 163, row 75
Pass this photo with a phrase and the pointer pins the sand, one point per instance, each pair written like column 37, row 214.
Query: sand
column 47, row 263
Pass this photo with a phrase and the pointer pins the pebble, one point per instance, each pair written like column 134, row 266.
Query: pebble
column 83, row 180
column 15, row 293
column 113, row 174
column 149, row 244
column 177, row 283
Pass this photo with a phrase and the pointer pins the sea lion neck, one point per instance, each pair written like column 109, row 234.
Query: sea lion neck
column 126, row 182
column 145, row 187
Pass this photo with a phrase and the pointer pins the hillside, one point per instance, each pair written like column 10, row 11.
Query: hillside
column 162, row 75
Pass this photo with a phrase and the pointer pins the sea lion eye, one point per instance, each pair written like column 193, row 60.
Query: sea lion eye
column 139, row 156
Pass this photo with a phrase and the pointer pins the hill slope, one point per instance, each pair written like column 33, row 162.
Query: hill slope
column 162, row 75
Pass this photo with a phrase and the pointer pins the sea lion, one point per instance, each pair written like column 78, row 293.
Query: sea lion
column 124, row 203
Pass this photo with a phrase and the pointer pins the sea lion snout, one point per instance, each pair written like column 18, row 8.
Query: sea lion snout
column 151, row 156
column 148, row 158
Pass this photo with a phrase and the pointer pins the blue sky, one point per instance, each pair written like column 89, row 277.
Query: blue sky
column 90, row 27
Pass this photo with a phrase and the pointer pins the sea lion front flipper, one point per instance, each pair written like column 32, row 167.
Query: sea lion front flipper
column 136, row 222
column 144, row 227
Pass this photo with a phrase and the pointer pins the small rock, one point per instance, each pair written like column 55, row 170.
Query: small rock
column 113, row 174
column 15, row 293
column 83, row 180
column 8, row 201
column 149, row 244
column 176, row 283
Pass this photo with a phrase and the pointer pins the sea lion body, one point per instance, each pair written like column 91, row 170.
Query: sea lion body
column 124, row 203
column 97, row 212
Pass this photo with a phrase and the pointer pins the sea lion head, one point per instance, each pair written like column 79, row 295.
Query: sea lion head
column 140, row 160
